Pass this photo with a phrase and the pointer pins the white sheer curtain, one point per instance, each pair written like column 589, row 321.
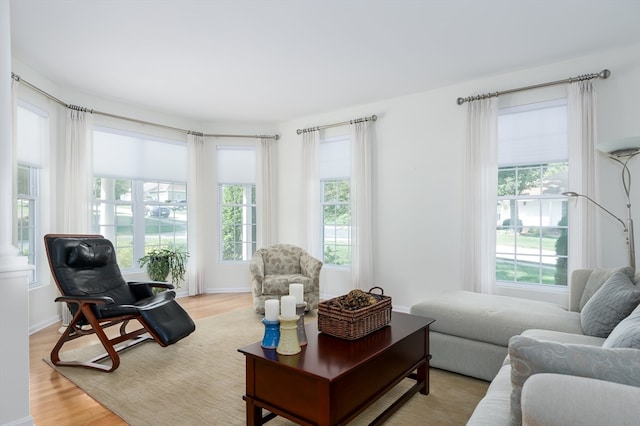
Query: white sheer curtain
column 197, row 215
column 78, row 179
column 480, row 192
column 78, row 173
column 310, row 196
column 266, row 191
column 14, row 161
column 581, row 130
column 361, row 206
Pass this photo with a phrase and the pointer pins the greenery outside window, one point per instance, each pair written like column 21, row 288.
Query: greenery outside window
column 336, row 221
column 237, row 221
column 139, row 216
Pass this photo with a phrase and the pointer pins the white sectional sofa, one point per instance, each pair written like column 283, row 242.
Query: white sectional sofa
column 592, row 348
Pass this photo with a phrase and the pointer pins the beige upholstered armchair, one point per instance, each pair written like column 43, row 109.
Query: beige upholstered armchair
column 273, row 268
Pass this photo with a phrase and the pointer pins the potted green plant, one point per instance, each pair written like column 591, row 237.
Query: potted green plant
column 162, row 262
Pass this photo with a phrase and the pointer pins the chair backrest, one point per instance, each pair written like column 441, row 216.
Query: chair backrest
column 86, row 265
column 281, row 259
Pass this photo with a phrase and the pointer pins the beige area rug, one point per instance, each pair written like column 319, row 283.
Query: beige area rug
column 201, row 380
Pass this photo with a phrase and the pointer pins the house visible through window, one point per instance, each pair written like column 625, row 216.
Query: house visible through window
column 335, row 192
column 532, row 228
column 140, row 193
column 237, row 202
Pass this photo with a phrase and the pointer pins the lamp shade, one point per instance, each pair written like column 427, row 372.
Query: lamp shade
column 621, row 147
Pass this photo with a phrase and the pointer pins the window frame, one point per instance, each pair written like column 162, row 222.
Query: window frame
column 338, row 173
column 324, row 204
column 38, row 170
column 32, row 199
column 248, row 221
column 520, row 196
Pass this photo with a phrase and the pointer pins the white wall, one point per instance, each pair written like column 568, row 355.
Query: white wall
column 417, row 176
column 418, row 168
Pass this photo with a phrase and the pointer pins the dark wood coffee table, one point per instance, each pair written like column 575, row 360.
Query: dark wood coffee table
column 333, row 380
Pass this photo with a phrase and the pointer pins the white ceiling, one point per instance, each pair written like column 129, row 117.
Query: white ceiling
column 268, row 61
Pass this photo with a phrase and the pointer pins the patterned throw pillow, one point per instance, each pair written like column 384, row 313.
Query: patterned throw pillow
column 627, row 333
column 597, row 278
column 613, row 302
column 530, row 356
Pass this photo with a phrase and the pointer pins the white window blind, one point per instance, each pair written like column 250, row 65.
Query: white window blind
column 533, row 134
column 335, row 158
column 32, row 130
column 121, row 154
column 236, row 164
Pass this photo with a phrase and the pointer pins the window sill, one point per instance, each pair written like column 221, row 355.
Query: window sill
column 558, row 295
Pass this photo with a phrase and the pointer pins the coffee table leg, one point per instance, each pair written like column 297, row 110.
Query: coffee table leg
column 254, row 413
column 423, row 375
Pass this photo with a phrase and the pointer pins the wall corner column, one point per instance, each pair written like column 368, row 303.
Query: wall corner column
column 14, row 270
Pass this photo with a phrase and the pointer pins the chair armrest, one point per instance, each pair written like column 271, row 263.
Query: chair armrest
column 256, row 267
column 159, row 284
column 143, row 289
column 563, row 400
column 94, row 300
column 310, row 266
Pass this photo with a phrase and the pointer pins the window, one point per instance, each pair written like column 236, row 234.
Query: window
column 237, row 202
column 140, row 193
column 336, row 220
column 532, row 228
column 32, row 132
column 335, row 191
column 27, row 214
column 238, row 221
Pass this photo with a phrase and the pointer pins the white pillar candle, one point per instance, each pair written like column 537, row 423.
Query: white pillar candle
column 297, row 290
column 271, row 309
column 288, row 306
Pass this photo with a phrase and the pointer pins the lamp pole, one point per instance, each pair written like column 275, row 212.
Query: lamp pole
column 623, row 156
column 628, row 227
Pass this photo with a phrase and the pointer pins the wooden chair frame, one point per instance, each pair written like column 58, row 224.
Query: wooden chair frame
column 125, row 340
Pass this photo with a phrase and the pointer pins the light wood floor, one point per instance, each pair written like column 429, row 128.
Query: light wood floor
column 57, row 401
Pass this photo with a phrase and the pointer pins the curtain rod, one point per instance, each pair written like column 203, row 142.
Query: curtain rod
column 602, row 74
column 344, row 123
column 19, row 79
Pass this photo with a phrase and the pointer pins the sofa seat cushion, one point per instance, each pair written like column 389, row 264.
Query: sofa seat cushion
column 493, row 319
column 279, row 284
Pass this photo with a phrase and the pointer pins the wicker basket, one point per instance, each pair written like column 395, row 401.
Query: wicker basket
column 354, row 324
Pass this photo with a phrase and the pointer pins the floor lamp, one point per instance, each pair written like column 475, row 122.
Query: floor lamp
column 621, row 151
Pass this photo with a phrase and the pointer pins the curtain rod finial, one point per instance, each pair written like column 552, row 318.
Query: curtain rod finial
column 460, row 101
column 605, row 73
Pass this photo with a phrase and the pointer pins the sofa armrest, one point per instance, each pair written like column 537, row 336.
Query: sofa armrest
column 559, row 399
column 579, row 278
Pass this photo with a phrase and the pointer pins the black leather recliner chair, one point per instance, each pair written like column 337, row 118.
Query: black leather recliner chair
column 86, row 272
